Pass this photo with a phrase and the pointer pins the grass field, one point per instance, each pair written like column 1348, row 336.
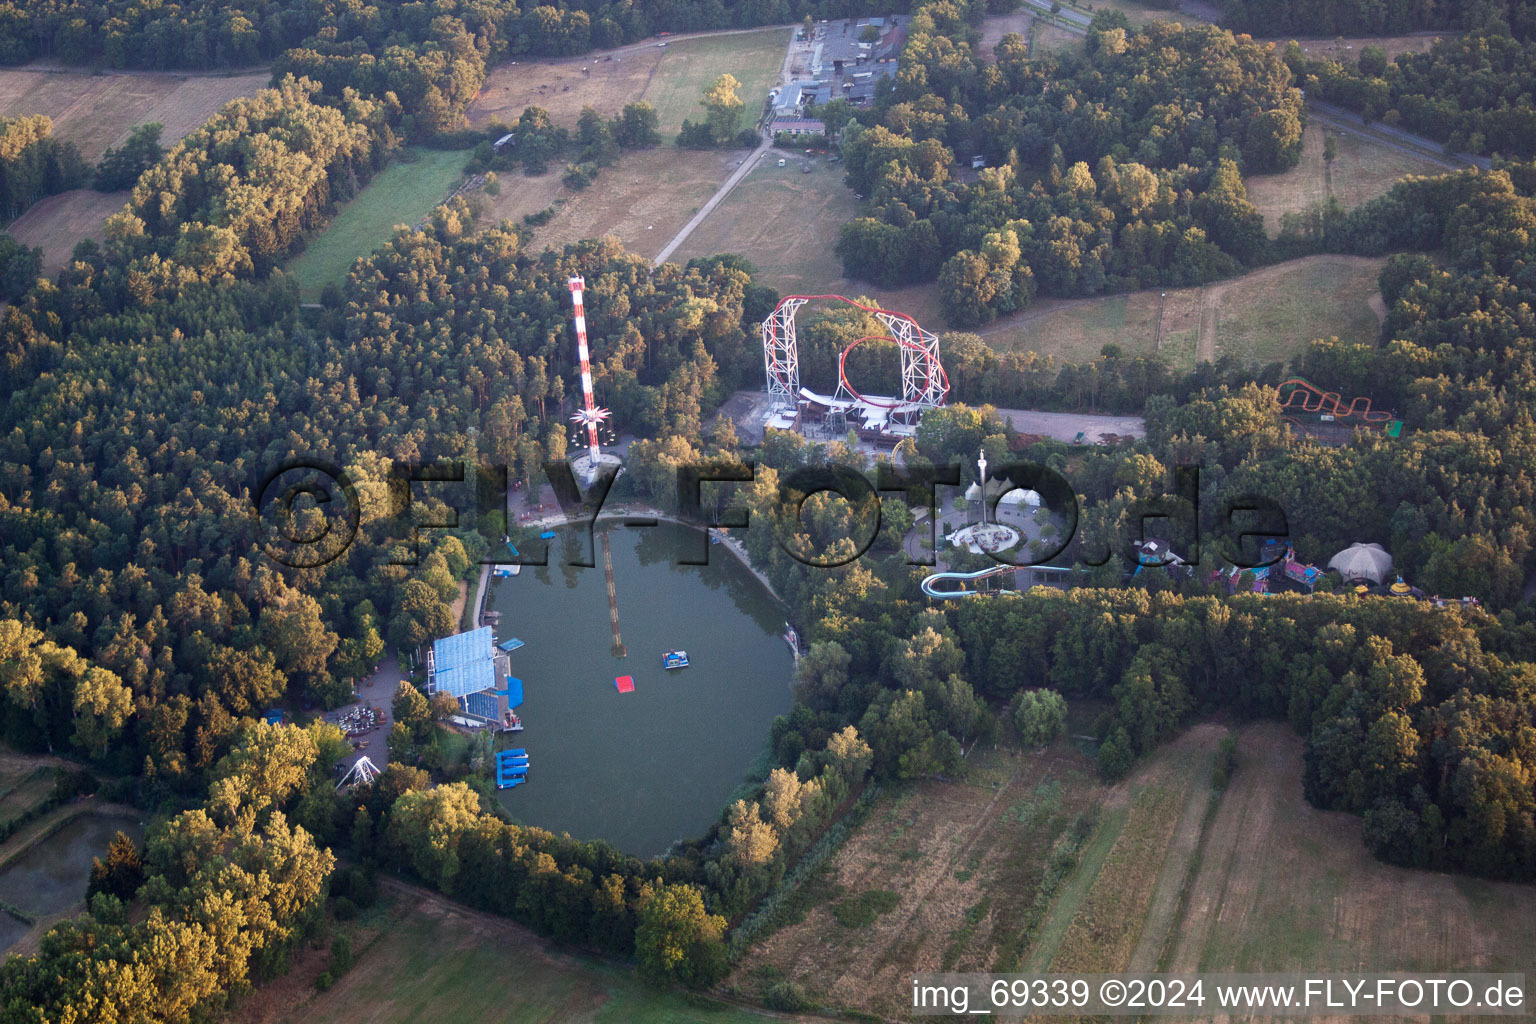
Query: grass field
column 402, row 193
column 966, row 860
column 97, row 111
column 644, row 199
column 423, row 958
column 1268, row 315
column 1281, row 885
column 671, row 78
column 1362, row 170
column 1174, row 877
column 59, row 223
column 786, row 222
column 1047, row 38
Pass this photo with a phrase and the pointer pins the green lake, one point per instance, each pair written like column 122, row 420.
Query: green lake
column 646, row 768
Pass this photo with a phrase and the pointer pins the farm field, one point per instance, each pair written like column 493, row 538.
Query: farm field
column 671, row 78
column 1362, row 170
column 1281, row 885
column 59, row 223
column 939, row 876
column 421, row 957
column 97, row 111
column 786, row 222
column 1171, row 876
column 1267, row 316
column 402, row 193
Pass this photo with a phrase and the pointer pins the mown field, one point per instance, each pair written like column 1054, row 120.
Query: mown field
column 97, row 111
column 671, row 78
column 644, row 199
column 1172, row 875
column 1266, row 316
column 59, row 223
column 402, row 193
column 1362, row 170
column 786, row 222
column 422, row 958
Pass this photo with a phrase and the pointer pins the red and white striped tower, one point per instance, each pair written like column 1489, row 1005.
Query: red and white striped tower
column 589, row 414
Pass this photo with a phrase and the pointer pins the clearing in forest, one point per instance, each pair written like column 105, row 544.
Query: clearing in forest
column 415, row 182
column 671, row 78
column 1269, row 315
column 1361, row 170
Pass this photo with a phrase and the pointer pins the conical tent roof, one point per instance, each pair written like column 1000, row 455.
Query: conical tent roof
column 1362, row 562
column 1020, row 496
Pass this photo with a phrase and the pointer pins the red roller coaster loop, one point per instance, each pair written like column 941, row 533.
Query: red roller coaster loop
column 923, row 380
column 842, row 371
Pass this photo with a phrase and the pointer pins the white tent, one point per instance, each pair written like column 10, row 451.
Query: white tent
column 1362, row 562
column 1021, row 496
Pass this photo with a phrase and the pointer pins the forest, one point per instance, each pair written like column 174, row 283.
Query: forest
column 34, row 164
column 427, row 59
column 1470, row 92
column 1119, row 169
column 155, row 383
column 1271, row 18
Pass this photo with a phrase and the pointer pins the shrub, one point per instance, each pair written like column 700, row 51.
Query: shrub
column 787, row 997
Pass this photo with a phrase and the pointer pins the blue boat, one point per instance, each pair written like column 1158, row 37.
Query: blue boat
column 674, row 659
column 511, row 783
column 547, row 535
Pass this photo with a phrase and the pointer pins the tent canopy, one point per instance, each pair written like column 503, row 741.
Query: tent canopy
column 1362, row 562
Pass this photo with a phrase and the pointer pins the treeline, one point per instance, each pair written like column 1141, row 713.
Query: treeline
column 1471, row 92
column 219, row 898
column 588, row 893
column 34, row 164
column 1270, row 18
column 1118, row 169
column 1416, row 717
column 431, row 59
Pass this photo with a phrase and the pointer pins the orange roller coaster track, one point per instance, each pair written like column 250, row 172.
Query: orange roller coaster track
column 1304, row 396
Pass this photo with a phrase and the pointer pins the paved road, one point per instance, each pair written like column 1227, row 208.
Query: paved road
column 735, row 179
column 1075, row 18
column 1396, row 138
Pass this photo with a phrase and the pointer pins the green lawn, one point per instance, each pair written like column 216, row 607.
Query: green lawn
column 692, row 65
column 402, row 193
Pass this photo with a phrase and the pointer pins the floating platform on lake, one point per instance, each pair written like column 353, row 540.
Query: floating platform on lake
column 547, row 535
column 674, row 659
column 511, row 768
column 625, row 684
column 511, row 645
column 505, row 571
